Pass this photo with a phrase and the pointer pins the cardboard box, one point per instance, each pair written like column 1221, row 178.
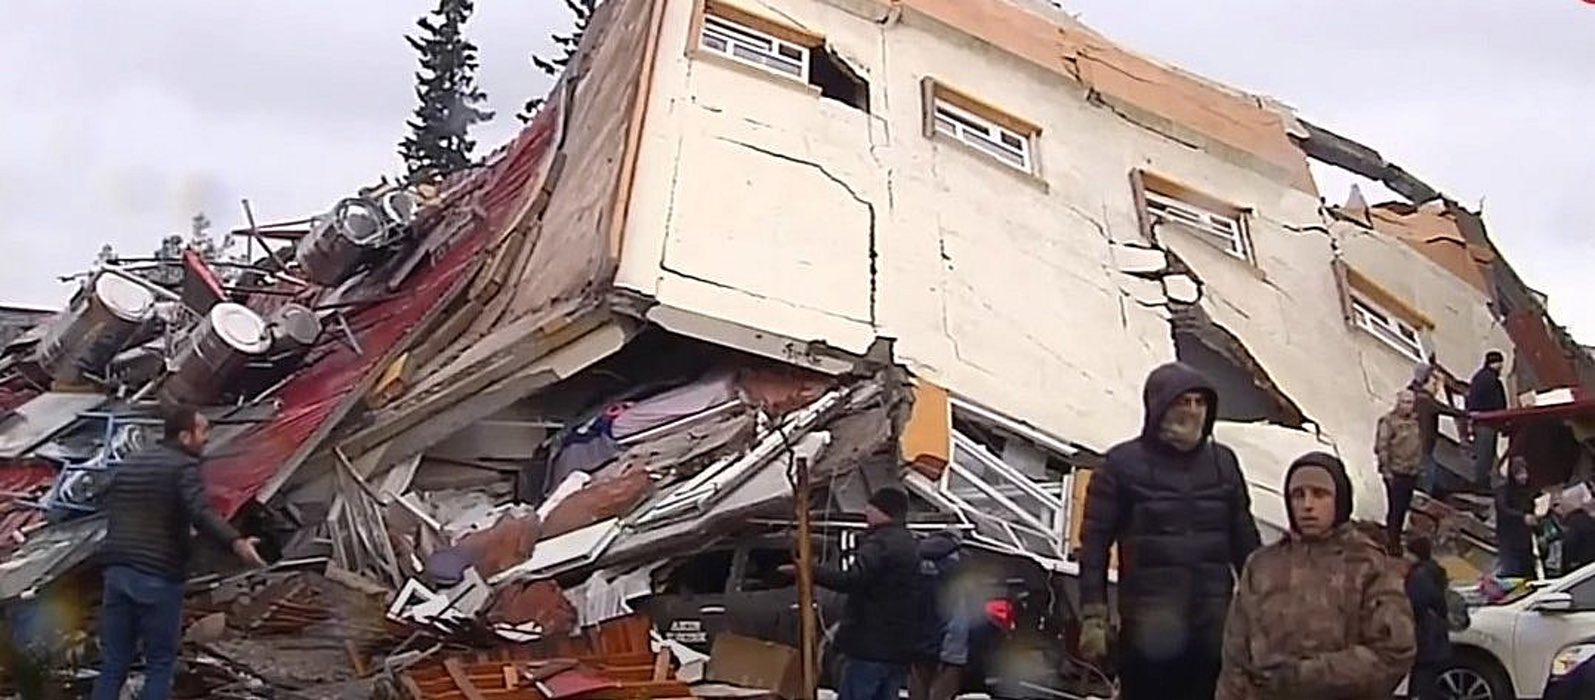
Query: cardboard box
column 755, row 663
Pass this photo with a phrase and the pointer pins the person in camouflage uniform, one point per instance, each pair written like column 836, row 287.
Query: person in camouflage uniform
column 1398, row 445
column 1320, row 614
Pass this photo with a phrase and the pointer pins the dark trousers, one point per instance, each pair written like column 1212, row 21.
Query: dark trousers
column 138, row 607
column 1191, row 676
column 1424, row 683
column 931, row 680
column 1398, row 492
column 871, row 680
column 1483, row 455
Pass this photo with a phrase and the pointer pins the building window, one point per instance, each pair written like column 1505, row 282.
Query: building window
column 1382, row 314
column 755, row 48
column 1385, row 326
column 984, row 128
column 999, row 143
column 1165, row 202
column 1226, row 230
column 779, row 50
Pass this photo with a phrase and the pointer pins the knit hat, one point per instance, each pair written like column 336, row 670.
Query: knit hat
column 892, row 502
column 1314, row 468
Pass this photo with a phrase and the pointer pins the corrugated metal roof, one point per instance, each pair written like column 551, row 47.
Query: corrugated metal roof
column 21, row 483
column 319, row 396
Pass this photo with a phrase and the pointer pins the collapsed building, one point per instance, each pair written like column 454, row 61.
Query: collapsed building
column 935, row 243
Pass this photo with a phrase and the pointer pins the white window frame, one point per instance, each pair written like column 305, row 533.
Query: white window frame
column 1389, row 328
column 752, row 47
column 984, row 135
column 1227, row 232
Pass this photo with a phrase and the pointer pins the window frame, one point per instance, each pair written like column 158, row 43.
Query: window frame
column 1156, row 195
column 1202, row 220
column 734, row 25
column 965, row 127
column 954, row 115
column 1359, row 294
column 1392, row 331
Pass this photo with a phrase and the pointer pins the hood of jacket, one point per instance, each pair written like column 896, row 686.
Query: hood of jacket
column 1337, row 472
column 1163, row 386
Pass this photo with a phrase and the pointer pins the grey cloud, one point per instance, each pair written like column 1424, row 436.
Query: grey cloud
column 129, row 117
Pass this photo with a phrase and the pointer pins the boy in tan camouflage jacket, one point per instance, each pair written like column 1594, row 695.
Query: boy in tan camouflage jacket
column 1398, row 445
column 1321, row 614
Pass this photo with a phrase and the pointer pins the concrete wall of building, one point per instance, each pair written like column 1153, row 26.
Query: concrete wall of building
column 761, row 203
column 1464, row 327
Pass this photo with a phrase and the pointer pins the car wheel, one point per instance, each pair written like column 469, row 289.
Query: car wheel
column 1474, row 679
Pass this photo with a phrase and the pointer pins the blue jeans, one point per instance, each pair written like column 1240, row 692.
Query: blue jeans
column 871, row 680
column 139, row 607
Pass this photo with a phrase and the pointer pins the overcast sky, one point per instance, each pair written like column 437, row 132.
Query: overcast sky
column 120, row 120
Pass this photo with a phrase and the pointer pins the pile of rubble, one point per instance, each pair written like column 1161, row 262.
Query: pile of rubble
column 476, row 475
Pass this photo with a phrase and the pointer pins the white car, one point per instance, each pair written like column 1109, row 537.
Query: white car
column 1507, row 651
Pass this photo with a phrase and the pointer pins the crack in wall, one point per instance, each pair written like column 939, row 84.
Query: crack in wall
column 670, row 204
column 874, row 251
column 941, row 284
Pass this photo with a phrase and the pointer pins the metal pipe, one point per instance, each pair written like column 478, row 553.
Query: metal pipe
column 254, row 235
column 809, row 637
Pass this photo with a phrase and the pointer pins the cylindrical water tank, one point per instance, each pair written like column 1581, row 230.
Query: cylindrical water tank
column 87, row 336
column 339, row 241
column 214, row 352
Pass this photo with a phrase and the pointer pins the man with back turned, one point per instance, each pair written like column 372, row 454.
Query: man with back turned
column 154, row 498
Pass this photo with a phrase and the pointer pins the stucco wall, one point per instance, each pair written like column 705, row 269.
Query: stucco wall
column 1464, row 326
column 761, row 203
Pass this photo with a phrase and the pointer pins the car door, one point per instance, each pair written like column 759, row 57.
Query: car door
column 1541, row 633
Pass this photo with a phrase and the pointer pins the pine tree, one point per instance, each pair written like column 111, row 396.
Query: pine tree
column 439, row 143
column 566, row 45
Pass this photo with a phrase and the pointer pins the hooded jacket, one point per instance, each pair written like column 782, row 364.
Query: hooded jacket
column 1182, row 520
column 1324, row 619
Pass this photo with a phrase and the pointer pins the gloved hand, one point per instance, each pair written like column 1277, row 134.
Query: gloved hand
column 1094, row 633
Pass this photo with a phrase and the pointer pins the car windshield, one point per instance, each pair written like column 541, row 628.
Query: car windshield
column 1476, row 598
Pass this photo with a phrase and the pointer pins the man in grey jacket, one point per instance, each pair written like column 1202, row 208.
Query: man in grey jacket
column 153, row 500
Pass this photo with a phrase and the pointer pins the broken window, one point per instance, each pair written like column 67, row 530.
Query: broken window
column 980, row 126
column 836, row 80
column 1224, row 226
column 780, row 50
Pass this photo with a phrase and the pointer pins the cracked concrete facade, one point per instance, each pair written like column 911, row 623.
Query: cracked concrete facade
column 760, row 204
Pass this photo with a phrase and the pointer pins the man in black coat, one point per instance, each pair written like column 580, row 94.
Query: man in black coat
column 1426, row 586
column 155, row 497
column 1176, row 503
column 880, row 633
column 1486, row 393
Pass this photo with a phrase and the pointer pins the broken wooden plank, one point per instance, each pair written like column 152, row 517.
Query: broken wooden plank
column 461, row 680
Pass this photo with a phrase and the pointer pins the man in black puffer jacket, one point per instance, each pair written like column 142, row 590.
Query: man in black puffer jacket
column 881, row 621
column 153, row 500
column 1175, row 501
